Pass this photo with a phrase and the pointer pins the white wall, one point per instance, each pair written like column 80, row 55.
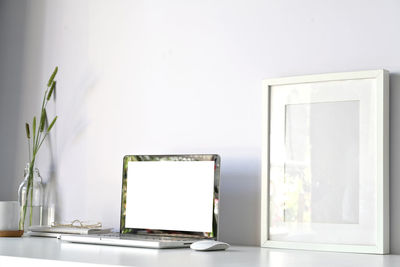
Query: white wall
column 175, row 77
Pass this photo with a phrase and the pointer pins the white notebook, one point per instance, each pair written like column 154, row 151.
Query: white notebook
column 69, row 230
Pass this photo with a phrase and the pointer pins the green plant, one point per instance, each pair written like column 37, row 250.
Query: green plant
column 39, row 134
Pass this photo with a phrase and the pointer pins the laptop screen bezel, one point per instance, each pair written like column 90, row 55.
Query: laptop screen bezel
column 163, row 232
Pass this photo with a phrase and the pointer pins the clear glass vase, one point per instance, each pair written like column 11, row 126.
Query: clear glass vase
column 30, row 197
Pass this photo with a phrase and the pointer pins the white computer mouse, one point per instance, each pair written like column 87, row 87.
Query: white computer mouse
column 209, row 245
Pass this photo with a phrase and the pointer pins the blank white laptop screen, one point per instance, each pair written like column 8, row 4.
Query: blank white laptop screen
column 170, row 195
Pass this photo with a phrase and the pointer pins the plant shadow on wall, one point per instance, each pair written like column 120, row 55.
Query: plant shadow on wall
column 73, row 127
column 77, row 124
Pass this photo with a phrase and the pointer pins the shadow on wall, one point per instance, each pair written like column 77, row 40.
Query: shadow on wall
column 240, row 201
column 394, row 167
column 13, row 29
column 21, row 55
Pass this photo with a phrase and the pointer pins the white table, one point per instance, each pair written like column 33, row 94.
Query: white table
column 53, row 249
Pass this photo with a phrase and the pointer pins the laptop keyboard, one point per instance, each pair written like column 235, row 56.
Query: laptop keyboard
column 146, row 237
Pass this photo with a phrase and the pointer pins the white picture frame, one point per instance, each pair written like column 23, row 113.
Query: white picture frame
column 350, row 96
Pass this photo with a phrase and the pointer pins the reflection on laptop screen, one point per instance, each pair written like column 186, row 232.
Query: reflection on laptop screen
column 170, row 195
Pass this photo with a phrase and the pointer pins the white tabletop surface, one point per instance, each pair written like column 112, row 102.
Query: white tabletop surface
column 53, row 249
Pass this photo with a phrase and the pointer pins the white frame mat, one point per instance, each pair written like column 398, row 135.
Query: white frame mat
column 325, row 162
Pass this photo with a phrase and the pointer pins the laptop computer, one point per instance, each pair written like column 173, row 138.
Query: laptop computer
column 167, row 201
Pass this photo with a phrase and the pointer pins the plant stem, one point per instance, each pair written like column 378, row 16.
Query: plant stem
column 30, row 182
column 29, row 149
column 46, row 134
column 31, row 206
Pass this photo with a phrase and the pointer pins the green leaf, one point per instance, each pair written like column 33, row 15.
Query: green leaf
column 52, row 124
column 52, row 77
column 42, row 120
column 28, row 133
column 46, row 121
column 53, row 85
